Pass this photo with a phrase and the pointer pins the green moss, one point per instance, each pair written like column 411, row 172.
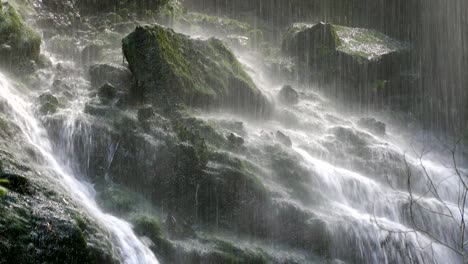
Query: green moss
column 151, row 227
column 118, row 200
column 170, row 12
column 123, row 13
column 15, row 183
column 194, row 138
column 378, row 85
column 147, row 226
column 18, row 42
column 232, row 254
column 172, row 68
column 48, row 103
column 361, row 43
column 365, row 43
column 3, row 191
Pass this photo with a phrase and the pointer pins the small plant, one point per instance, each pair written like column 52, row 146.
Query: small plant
column 3, row 191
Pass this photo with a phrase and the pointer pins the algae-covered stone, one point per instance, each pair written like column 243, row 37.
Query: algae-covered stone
column 172, row 68
column 18, row 43
column 39, row 224
column 343, row 57
column 48, row 103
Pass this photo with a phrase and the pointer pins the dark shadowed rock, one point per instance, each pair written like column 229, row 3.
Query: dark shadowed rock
column 48, row 103
column 116, row 75
column 235, row 140
column 288, row 95
column 15, row 183
column 171, row 68
column 352, row 63
column 145, row 113
column 283, row 139
column 373, row 125
column 107, row 92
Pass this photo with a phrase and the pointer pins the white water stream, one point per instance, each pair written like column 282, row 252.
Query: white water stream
column 131, row 249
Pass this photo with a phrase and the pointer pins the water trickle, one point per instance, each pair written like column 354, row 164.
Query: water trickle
column 359, row 181
column 130, row 248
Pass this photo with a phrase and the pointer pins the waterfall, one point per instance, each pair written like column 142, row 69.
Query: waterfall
column 131, row 249
column 365, row 209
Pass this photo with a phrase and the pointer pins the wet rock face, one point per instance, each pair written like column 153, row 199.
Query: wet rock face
column 171, row 68
column 373, row 125
column 288, row 95
column 283, row 139
column 38, row 223
column 235, row 139
column 353, row 63
column 48, row 103
column 113, row 74
column 19, row 45
column 107, row 92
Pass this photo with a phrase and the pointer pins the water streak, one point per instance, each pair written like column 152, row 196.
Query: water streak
column 131, row 249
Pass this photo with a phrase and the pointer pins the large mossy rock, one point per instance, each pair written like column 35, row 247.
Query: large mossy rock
column 355, row 61
column 18, row 43
column 39, row 223
column 172, row 68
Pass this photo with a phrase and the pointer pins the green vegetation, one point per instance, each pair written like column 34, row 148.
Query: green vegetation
column 231, row 254
column 48, row 104
column 172, row 68
column 118, row 200
column 3, row 191
column 363, row 44
column 18, row 43
column 366, row 43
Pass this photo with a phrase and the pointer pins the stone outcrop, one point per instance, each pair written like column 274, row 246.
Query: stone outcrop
column 171, row 68
column 19, row 45
column 353, row 63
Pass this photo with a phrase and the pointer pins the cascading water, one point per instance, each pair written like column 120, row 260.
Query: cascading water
column 359, row 181
column 131, row 249
column 391, row 197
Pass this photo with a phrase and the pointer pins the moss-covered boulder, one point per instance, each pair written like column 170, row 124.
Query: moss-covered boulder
column 171, row 68
column 39, row 224
column 345, row 58
column 19, row 44
column 48, row 103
